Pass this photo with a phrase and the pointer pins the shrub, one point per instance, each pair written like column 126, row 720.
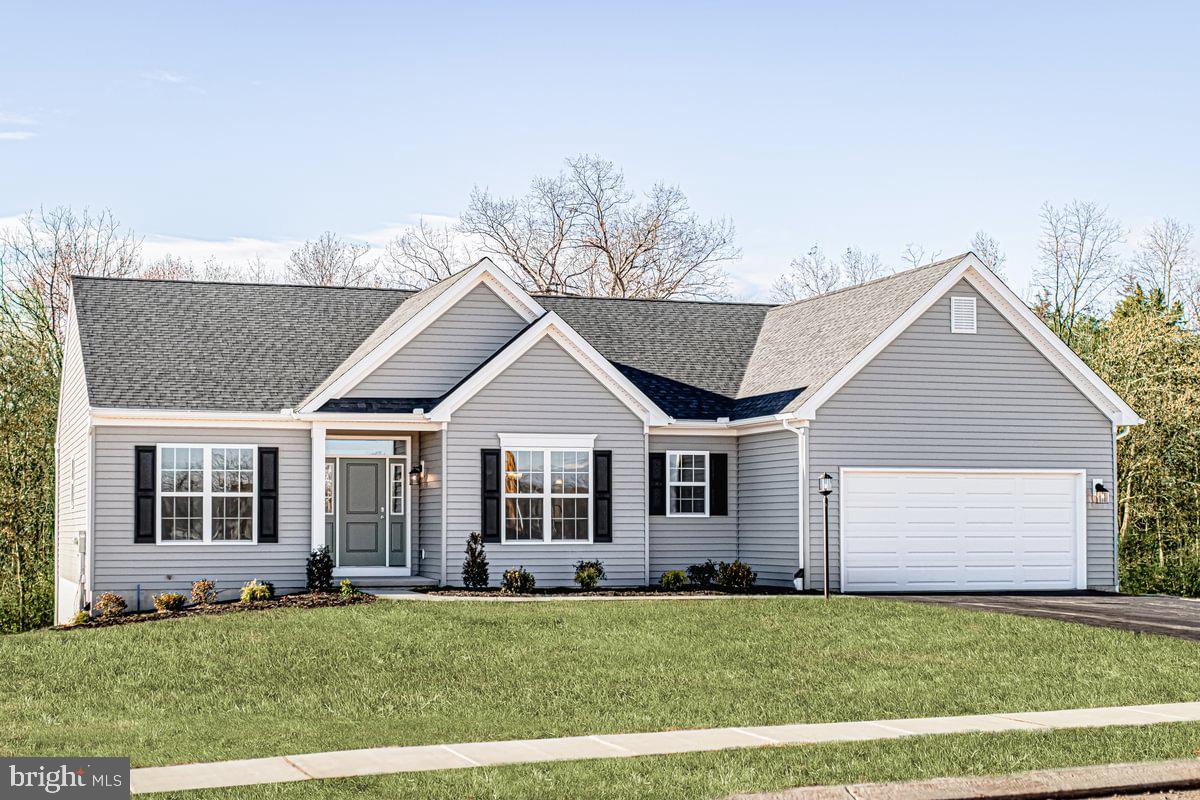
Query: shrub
column 109, row 604
column 348, row 589
column 255, row 591
column 475, row 566
column 672, row 580
column 702, row 574
column 588, row 574
column 204, row 591
column 517, row 581
column 736, row 576
column 318, row 571
column 169, row 601
column 81, row 618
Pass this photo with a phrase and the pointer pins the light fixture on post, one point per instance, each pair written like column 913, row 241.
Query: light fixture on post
column 1100, row 494
column 825, row 487
column 417, row 474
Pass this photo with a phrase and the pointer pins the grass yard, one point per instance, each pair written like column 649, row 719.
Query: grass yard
column 278, row 682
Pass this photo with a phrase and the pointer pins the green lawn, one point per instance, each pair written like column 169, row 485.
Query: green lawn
column 270, row 683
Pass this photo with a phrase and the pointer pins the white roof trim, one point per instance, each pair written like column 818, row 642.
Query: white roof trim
column 557, row 329
column 1012, row 309
column 483, row 273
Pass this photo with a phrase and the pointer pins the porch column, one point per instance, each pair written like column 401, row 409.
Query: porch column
column 318, row 485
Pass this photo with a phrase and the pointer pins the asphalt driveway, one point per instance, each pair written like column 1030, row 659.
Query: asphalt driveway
column 1168, row 616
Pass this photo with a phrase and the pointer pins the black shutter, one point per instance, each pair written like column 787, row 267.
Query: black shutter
column 489, row 495
column 143, row 494
column 718, row 484
column 658, row 484
column 268, row 495
column 602, row 495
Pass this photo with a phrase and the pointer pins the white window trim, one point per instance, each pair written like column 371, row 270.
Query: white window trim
column 706, row 483
column 395, row 462
column 207, row 495
column 973, row 306
column 547, row 496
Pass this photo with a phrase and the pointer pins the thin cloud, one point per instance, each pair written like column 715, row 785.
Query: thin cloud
column 164, row 76
column 16, row 136
column 17, row 119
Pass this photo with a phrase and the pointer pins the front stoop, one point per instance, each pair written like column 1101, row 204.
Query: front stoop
column 375, row 584
column 1098, row 781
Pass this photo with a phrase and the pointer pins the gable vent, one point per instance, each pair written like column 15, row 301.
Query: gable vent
column 962, row 315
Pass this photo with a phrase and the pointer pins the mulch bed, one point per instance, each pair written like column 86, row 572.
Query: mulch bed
column 623, row 591
column 308, row 600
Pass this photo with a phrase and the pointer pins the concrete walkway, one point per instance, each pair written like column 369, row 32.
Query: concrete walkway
column 420, row 758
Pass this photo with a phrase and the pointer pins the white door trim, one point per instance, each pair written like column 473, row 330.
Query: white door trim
column 387, row 569
column 1081, row 503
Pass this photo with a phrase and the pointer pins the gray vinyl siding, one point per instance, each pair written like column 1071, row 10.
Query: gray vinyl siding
column 985, row 400
column 121, row 565
column 546, row 391
column 677, row 542
column 769, row 504
column 446, row 351
column 428, row 558
column 72, row 478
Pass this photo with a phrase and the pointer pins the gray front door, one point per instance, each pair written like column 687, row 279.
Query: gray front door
column 362, row 537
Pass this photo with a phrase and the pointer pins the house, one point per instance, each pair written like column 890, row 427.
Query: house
column 224, row 430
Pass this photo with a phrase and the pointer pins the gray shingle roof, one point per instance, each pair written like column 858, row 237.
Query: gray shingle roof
column 262, row 347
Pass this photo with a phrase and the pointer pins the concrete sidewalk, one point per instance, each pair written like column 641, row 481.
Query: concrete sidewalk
column 420, row 758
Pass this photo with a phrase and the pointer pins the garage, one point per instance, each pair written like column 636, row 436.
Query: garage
column 933, row 530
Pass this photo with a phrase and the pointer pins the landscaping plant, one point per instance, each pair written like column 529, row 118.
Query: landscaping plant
column 702, row 574
column 348, row 589
column 81, row 618
column 475, row 565
column 109, row 604
column 736, row 576
column 517, row 581
column 672, row 580
column 170, row 601
column 318, row 571
column 588, row 574
column 204, row 592
column 255, row 591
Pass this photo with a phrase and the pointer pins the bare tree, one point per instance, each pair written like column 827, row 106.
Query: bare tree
column 424, row 255
column 989, row 252
column 915, row 255
column 1079, row 263
column 1164, row 259
column 584, row 232
column 814, row 273
column 172, row 267
column 330, row 260
column 45, row 249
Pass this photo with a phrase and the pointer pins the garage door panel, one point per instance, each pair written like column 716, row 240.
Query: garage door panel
column 973, row 530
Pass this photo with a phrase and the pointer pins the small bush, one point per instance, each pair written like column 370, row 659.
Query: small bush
column 81, row 618
column 672, row 580
column 517, row 581
column 347, row 588
column 254, row 591
column 170, row 601
column 475, row 566
column 588, row 574
column 204, row 592
column 702, row 574
column 318, row 572
column 109, row 604
column 736, row 576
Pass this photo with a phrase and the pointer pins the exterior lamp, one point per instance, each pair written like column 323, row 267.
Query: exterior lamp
column 825, row 487
column 416, row 474
column 1100, row 494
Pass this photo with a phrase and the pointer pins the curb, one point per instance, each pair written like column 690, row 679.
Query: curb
column 1096, row 781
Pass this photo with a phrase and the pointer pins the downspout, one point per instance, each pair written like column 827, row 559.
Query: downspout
column 1116, row 493
column 646, row 501
column 89, row 537
column 445, row 495
column 801, row 490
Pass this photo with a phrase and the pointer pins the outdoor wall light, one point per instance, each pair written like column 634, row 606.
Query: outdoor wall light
column 1100, row 494
column 417, row 473
column 825, row 482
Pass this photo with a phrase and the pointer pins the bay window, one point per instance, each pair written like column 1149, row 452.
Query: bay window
column 206, row 493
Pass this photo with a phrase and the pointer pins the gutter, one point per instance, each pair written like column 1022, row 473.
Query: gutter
column 802, row 488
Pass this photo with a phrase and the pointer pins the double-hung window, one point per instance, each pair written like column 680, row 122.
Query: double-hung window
column 547, row 494
column 206, row 493
column 687, row 484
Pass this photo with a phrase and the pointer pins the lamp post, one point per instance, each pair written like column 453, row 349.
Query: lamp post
column 825, row 487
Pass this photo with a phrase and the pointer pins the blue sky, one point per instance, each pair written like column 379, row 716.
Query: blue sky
column 237, row 127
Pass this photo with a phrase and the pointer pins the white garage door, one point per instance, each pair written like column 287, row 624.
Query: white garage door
column 935, row 530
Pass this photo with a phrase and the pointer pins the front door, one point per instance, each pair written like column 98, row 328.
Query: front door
column 362, row 540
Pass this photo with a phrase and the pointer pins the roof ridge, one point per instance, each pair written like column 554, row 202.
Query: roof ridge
column 193, row 281
column 881, row 279
column 654, row 300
